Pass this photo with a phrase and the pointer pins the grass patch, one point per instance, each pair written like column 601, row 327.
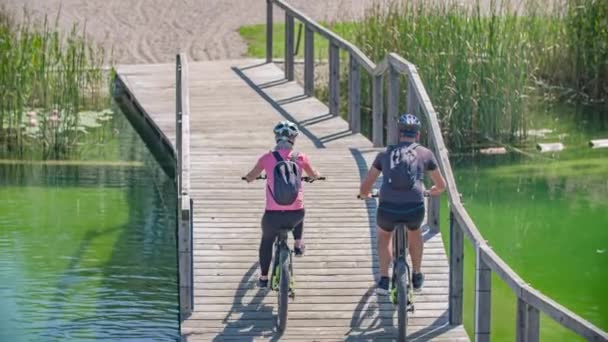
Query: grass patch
column 255, row 36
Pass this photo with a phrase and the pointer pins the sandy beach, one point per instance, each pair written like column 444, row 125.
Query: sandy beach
column 152, row 31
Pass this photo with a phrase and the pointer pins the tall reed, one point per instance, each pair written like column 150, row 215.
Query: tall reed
column 46, row 79
column 481, row 65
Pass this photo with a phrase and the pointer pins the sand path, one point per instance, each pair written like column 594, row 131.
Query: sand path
column 152, row 31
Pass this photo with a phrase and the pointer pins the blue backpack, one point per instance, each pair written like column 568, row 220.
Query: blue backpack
column 287, row 179
column 403, row 167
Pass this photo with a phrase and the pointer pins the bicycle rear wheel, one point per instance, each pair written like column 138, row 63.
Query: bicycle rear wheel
column 283, row 293
column 402, row 287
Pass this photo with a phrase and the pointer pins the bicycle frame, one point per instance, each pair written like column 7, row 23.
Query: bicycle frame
column 400, row 253
column 281, row 242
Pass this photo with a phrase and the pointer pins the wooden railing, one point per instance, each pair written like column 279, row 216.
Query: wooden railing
column 184, row 202
column 530, row 301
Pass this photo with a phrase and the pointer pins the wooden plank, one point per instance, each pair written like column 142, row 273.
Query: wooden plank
column 185, row 260
column 393, row 107
column 334, row 79
column 483, row 298
column 354, row 95
column 289, row 47
column 269, row 27
column 532, row 324
column 378, row 111
column 562, row 315
column 325, row 292
column 456, row 272
column 309, row 61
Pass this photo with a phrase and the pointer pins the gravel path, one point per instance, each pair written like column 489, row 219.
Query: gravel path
column 152, row 31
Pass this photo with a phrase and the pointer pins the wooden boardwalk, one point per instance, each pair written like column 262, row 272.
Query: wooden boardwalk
column 234, row 105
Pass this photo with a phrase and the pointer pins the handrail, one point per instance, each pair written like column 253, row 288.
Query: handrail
column 184, row 202
column 530, row 301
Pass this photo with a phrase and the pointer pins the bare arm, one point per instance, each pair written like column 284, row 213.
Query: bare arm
column 368, row 182
column 438, row 183
column 255, row 172
column 309, row 169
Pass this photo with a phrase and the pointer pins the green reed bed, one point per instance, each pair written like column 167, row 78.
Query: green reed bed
column 47, row 80
column 481, row 66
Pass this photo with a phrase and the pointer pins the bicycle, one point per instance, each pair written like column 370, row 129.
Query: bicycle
column 282, row 276
column 401, row 293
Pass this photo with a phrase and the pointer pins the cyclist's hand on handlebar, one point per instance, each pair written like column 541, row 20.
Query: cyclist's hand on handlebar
column 312, row 179
column 368, row 196
column 364, row 196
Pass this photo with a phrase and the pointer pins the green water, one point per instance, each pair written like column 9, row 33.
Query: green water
column 88, row 252
column 546, row 215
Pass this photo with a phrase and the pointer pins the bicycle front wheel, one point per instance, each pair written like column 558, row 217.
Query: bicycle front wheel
column 283, row 293
column 402, row 287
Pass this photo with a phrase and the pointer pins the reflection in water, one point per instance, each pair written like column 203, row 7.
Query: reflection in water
column 89, row 251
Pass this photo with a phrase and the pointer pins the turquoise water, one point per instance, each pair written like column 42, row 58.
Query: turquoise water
column 88, row 250
column 546, row 215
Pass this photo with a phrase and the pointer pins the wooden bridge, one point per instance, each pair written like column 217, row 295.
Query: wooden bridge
column 209, row 122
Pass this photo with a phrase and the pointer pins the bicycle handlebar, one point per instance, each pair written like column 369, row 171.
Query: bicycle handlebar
column 375, row 194
column 305, row 178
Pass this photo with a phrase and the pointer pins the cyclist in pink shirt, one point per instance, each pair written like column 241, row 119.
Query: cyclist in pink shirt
column 290, row 213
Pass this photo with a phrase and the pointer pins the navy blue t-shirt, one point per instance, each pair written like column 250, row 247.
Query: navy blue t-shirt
column 426, row 162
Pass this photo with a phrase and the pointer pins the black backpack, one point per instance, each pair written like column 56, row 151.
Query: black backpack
column 403, row 167
column 287, row 179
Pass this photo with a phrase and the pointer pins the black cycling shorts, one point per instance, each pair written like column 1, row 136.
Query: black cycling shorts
column 389, row 215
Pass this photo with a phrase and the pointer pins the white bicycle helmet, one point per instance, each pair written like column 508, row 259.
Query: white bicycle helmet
column 285, row 130
column 409, row 125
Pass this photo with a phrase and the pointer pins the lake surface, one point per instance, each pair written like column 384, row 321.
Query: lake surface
column 546, row 215
column 88, row 249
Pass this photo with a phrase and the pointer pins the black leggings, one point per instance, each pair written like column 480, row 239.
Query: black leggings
column 272, row 223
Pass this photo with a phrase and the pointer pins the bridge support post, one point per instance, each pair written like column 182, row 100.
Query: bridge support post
column 354, row 96
column 528, row 324
column 483, row 297
column 184, row 203
column 269, row 19
column 378, row 111
column 334, row 79
column 309, row 62
column 393, row 107
column 456, row 271
column 289, row 32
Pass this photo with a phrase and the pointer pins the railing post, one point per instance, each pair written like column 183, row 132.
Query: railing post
column 413, row 107
column 393, row 106
column 289, row 31
column 483, row 298
column 456, row 271
column 178, row 124
column 269, row 19
column 184, row 206
column 527, row 328
column 309, row 61
column 533, row 325
column 334, row 79
column 354, row 96
column 378, row 111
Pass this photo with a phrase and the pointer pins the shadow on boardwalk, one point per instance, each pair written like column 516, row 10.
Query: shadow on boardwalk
column 255, row 318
